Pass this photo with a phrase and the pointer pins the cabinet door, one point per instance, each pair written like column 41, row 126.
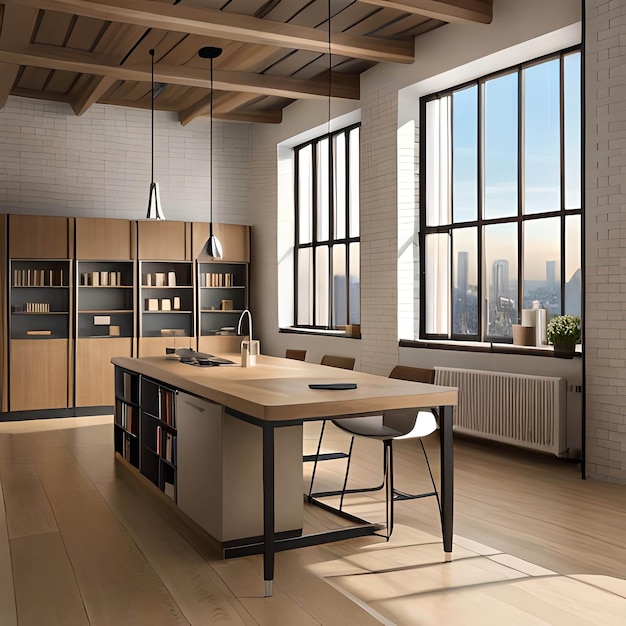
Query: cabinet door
column 39, row 237
column 95, row 384
column 158, row 240
column 39, row 374
column 235, row 240
column 103, row 238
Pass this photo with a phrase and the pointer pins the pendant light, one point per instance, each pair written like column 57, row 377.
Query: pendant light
column 154, row 199
column 213, row 245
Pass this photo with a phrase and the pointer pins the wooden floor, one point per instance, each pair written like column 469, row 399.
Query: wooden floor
column 83, row 542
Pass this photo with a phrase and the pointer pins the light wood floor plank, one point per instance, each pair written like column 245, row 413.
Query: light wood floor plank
column 28, row 509
column 201, row 595
column 45, row 587
column 117, row 583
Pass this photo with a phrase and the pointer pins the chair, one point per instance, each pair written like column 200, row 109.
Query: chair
column 342, row 362
column 296, row 355
column 397, row 424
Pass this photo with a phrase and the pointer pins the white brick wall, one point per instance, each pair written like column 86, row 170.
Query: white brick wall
column 99, row 164
column 605, row 238
column 379, row 232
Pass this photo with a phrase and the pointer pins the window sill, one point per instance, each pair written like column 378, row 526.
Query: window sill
column 316, row 331
column 475, row 346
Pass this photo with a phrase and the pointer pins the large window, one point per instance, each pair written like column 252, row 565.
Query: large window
column 327, row 250
column 500, row 225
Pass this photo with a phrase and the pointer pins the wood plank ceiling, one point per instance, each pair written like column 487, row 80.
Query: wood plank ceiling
column 275, row 51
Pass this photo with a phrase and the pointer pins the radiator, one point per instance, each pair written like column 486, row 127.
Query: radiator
column 527, row 411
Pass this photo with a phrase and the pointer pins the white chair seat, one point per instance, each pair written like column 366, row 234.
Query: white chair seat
column 392, row 425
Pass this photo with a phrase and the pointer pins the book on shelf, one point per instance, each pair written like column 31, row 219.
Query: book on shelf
column 158, row 440
column 104, row 279
column 167, row 407
column 169, row 448
column 159, row 279
column 171, row 279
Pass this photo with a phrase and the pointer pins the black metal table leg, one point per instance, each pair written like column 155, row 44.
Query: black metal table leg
column 269, row 536
column 447, row 476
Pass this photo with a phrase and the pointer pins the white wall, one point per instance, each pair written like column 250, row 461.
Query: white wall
column 98, row 165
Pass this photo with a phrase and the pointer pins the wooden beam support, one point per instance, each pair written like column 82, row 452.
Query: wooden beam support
column 16, row 29
column 480, row 11
column 226, row 103
column 219, row 24
column 54, row 58
column 117, row 40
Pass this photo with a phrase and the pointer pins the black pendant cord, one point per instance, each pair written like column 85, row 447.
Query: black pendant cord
column 330, row 66
column 152, row 118
column 211, row 154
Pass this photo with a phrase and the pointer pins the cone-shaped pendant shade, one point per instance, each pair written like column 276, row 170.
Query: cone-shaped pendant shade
column 154, row 203
column 154, row 200
column 213, row 245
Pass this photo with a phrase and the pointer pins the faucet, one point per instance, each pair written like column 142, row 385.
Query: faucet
column 245, row 312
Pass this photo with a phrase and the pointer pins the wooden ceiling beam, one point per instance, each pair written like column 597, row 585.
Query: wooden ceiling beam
column 213, row 23
column 54, row 58
column 480, row 11
column 17, row 27
column 89, row 89
column 226, row 103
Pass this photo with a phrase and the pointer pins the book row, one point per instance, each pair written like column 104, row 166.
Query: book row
column 160, row 279
column 101, row 279
column 213, row 279
column 31, row 307
column 38, row 278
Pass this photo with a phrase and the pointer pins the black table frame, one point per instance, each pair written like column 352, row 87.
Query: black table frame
column 271, row 543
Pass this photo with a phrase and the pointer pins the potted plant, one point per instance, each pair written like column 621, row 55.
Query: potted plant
column 564, row 333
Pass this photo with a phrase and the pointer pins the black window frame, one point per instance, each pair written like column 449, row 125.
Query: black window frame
column 332, row 241
column 520, row 218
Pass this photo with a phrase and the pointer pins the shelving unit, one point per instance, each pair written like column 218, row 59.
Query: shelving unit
column 166, row 303
column 158, row 436
column 105, row 326
column 105, row 299
column 127, row 426
column 40, row 299
column 222, row 296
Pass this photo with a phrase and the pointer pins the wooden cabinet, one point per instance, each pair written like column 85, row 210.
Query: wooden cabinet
column 39, row 374
column 75, row 292
column 40, row 328
column 94, row 370
column 235, row 240
column 163, row 240
column 105, row 307
column 219, row 471
column 104, row 238
column 40, row 237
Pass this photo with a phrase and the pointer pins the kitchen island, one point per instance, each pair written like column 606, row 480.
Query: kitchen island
column 226, row 442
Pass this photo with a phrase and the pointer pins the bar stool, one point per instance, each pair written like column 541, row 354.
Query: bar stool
column 392, row 425
column 342, row 362
column 296, row 355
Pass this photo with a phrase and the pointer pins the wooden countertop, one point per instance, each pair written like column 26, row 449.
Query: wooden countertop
column 276, row 389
